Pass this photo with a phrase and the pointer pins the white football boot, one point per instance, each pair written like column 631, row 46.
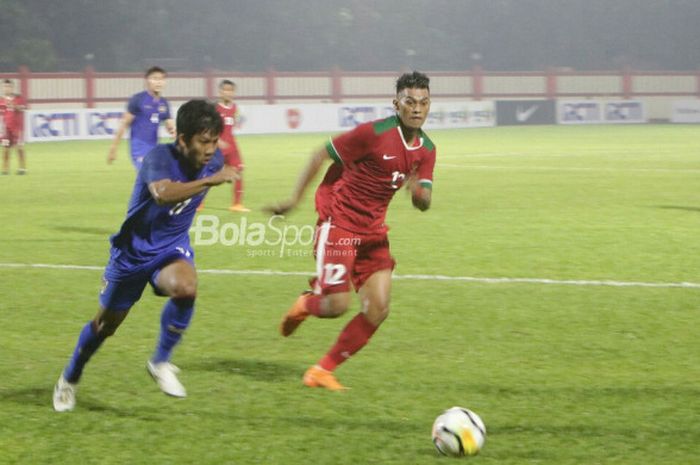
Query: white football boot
column 164, row 374
column 64, row 395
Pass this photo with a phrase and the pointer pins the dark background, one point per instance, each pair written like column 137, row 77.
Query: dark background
column 307, row 35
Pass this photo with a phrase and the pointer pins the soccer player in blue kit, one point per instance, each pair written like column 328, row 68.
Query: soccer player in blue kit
column 143, row 115
column 153, row 247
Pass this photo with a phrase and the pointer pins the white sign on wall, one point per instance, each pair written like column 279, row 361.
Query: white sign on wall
column 686, row 111
column 82, row 124
column 600, row 112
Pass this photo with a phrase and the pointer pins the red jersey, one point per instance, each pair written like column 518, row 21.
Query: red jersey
column 228, row 116
column 372, row 162
column 12, row 109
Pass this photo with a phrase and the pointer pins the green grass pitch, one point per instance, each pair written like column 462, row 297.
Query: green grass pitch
column 584, row 352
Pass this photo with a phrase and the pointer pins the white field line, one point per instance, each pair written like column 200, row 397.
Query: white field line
column 554, row 168
column 417, row 277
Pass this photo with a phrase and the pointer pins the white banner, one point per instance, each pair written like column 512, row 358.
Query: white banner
column 686, row 111
column 83, row 124
column 600, row 112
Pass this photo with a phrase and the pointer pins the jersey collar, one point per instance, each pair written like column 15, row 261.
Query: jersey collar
column 408, row 147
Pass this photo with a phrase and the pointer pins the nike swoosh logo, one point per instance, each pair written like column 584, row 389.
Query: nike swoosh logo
column 388, row 157
column 524, row 115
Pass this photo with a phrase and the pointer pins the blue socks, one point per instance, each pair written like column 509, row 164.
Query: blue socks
column 174, row 320
column 88, row 343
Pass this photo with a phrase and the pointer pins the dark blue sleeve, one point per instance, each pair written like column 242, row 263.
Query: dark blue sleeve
column 217, row 161
column 134, row 105
column 157, row 165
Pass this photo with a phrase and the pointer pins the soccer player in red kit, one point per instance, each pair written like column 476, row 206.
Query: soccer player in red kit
column 12, row 107
column 370, row 163
column 228, row 110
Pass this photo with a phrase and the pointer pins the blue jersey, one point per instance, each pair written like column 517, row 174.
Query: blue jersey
column 148, row 112
column 151, row 230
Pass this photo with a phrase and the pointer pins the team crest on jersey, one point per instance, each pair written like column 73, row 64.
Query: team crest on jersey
column 162, row 108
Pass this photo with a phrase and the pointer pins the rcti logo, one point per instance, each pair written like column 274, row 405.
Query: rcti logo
column 349, row 117
column 55, row 124
column 103, row 123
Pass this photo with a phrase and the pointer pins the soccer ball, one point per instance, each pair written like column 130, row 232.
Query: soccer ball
column 458, row 432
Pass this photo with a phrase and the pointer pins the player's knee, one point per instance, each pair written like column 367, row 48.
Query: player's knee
column 184, row 289
column 377, row 311
column 336, row 304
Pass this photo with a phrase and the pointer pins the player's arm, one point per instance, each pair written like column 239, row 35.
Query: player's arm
column 170, row 126
column 126, row 121
column 307, row 175
column 420, row 183
column 166, row 192
column 421, row 195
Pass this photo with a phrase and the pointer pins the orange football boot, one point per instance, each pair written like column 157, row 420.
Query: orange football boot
column 239, row 208
column 318, row 377
column 294, row 316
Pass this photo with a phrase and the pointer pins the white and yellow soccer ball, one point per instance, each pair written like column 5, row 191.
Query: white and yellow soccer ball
column 458, row 432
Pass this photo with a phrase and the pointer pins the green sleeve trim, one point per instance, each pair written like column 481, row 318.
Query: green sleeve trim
column 426, row 183
column 385, row 124
column 427, row 143
column 333, row 153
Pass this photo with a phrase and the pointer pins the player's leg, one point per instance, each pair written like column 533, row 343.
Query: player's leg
column 6, row 156
column 21, row 155
column 372, row 277
column 330, row 298
column 374, row 297
column 91, row 338
column 116, row 298
column 234, row 159
column 178, row 281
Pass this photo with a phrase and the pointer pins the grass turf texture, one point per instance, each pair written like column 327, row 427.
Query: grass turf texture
column 560, row 374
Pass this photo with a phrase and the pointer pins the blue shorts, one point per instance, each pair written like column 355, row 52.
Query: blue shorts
column 139, row 149
column 122, row 286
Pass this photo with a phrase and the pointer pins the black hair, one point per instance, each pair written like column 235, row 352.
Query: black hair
column 154, row 69
column 227, row 82
column 7, row 81
column 414, row 80
column 198, row 116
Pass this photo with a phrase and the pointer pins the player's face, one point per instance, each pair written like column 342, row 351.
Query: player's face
column 412, row 107
column 7, row 89
column 200, row 149
column 227, row 92
column 155, row 83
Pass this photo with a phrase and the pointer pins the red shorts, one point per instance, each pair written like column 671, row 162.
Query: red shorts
column 12, row 137
column 342, row 256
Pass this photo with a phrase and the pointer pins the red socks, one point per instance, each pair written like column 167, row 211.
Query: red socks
column 312, row 303
column 354, row 337
column 237, row 191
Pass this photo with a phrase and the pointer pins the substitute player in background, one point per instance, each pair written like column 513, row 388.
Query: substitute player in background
column 12, row 108
column 370, row 163
column 228, row 110
column 153, row 246
column 143, row 115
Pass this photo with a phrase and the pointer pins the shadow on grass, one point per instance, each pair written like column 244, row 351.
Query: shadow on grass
column 259, row 370
column 679, row 207
column 42, row 397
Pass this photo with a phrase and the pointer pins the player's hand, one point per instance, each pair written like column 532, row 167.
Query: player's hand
column 280, row 208
column 112, row 155
column 225, row 174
